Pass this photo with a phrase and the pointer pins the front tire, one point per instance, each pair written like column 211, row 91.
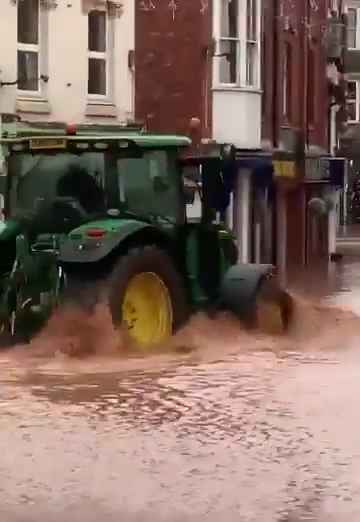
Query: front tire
column 147, row 296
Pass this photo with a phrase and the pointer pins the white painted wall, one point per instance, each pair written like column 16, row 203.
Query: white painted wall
column 64, row 97
column 237, row 118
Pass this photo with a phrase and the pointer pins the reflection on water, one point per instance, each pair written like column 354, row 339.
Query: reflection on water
column 244, row 428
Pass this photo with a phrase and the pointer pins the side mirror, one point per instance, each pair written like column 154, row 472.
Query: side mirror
column 189, row 193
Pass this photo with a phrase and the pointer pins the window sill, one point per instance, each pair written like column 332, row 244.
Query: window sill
column 33, row 105
column 101, row 110
column 236, row 88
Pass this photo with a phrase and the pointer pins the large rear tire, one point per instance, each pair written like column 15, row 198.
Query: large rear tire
column 147, row 296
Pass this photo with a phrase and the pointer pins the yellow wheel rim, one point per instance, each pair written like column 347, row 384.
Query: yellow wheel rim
column 147, row 309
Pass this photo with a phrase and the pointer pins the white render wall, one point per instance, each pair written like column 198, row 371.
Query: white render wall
column 237, row 118
column 64, row 97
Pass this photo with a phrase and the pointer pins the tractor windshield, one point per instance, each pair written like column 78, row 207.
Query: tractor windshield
column 146, row 186
column 40, row 177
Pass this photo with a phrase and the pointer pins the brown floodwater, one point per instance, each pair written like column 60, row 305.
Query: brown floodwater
column 223, row 425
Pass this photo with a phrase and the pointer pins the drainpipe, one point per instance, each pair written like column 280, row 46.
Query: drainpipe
column 307, row 100
column 275, row 105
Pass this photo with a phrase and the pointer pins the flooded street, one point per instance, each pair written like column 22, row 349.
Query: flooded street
column 242, row 428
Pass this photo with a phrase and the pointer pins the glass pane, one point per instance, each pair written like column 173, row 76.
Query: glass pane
column 228, row 62
column 97, row 76
column 28, row 73
column 28, row 21
column 251, row 52
column 351, row 38
column 251, row 20
column 148, row 186
column 287, row 77
column 351, row 109
column 97, row 31
column 34, row 182
column 351, row 28
column 351, row 90
column 229, row 18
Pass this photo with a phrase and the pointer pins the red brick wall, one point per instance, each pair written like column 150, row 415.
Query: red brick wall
column 173, row 65
column 318, row 134
column 283, row 23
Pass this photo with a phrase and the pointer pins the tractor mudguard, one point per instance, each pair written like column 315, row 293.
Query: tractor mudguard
column 95, row 240
column 239, row 288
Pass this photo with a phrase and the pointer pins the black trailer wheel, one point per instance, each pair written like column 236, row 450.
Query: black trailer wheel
column 147, row 296
column 273, row 309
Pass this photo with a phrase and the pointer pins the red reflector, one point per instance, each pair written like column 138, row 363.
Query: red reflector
column 95, row 232
column 71, row 129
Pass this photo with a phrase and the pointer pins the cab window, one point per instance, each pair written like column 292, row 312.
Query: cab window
column 149, row 185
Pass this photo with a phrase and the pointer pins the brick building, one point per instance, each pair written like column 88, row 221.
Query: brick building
column 302, row 60
column 253, row 74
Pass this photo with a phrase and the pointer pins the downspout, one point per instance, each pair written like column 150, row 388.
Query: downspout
column 275, row 74
column 306, row 129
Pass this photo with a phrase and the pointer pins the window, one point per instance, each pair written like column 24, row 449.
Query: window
column 311, row 91
column 229, row 42
column 237, row 28
column 352, row 22
column 251, row 42
column 32, row 184
column 28, row 52
column 98, row 82
column 353, row 100
column 287, row 87
column 147, row 185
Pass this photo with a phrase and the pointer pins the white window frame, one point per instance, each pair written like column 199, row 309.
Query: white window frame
column 357, row 26
column 107, row 55
column 220, row 38
column 242, row 43
column 40, row 49
column 355, row 102
column 252, row 43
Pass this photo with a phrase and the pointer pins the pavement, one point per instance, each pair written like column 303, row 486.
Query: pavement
column 348, row 239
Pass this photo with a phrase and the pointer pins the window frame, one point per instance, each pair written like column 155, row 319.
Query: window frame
column 102, row 55
column 242, row 43
column 287, row 79
column 230, row 39
column 34, row 48
column 252, row 41
column 356, row 28
column 355, row 101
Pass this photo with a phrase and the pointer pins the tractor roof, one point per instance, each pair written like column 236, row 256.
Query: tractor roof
column 50, row 136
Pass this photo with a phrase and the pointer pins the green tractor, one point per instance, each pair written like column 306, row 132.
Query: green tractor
column 90, row 211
